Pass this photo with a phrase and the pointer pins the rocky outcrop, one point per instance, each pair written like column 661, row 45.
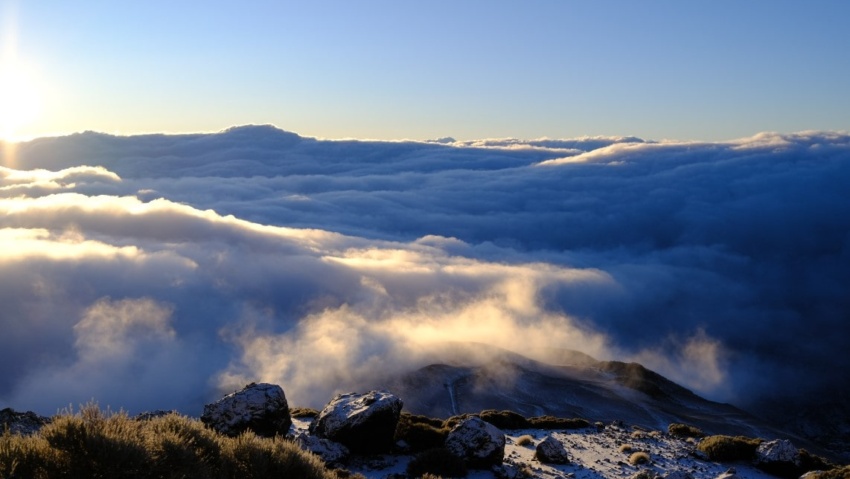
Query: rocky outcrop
column 261, row 408
column 333, row 453
column 778, row 457
column 478, row 443
column 24, row 423
column 551, row 451
column 365, row 423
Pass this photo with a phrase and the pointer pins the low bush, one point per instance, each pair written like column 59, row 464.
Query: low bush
column 525, row 440
column 303, row 412
column 438, row 462
column 684, row 430
column 626, row 448
column 835, row 473
column 504, row 419
column 728, row 448
column 552, row 422
column 639, row 457
column 420, row 433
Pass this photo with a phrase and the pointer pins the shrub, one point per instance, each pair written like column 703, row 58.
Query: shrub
column 836, row 473
column 626, row 448
column 552, row 422
column 504, row 419
column 639, row 457
column 684, row 430
column 525, row 440
column 438, row 462
column 728, row 448
column 302, row 412
column 420, row 433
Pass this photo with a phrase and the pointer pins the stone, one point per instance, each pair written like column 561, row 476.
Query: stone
column 365, row 423
column 23, row 423
column 258, row 407
column 332, row 453
column 778, row 457
column 480, row 444
column 551, row 451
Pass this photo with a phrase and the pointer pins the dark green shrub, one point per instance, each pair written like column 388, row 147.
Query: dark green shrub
column 729, row 448
column 552, row 422
column 439, row 462
column 684, row 431
column 504, row 419
column 420, row 433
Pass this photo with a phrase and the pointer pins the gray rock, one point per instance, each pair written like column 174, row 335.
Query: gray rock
column 645, row 474
column 24, row 423
column 777, row 451
column 679, row 474
column 478, row 443
column 332, row 453
column 551, row 451
column 261, row 408
column 365, row 423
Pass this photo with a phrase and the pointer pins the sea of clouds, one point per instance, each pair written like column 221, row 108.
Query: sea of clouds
column 158, row 271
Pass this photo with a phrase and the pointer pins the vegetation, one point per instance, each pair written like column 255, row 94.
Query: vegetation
column 626, row 448
column 684, row 431
column 421, row 433
column 525, row 440
column 303, row 412
column 728, row 448
column 98, row 444
column 504, row 419
column 836, row 473
column 639, row 457
column 439, row 462
column 552, row 422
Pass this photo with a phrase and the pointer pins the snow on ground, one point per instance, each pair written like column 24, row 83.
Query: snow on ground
column 595, row 454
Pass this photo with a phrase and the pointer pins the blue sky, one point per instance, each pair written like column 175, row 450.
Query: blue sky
column 467, row 69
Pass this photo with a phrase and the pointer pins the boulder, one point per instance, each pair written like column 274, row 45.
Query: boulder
column 365, row 423
column 551, row 451
column 778, row 457
column 261, row 408
column 478, row 443
column 24, row 423
column 332, row 453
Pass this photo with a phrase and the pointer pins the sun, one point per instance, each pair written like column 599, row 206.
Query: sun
column 20, row 102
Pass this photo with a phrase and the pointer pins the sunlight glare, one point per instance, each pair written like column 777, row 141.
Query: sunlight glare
column 20, row 102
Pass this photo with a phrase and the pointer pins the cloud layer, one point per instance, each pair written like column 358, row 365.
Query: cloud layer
column 155, row 271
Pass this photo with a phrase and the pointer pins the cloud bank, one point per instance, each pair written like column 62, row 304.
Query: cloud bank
column 157, row 271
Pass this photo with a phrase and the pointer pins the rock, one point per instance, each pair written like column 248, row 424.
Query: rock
column 365, row 423
column 678, row 475
column 261, row 408
column 24, row 423
column 332, row 453
column 551, row 451
column 730, row 473
column 778, row 457
column 478, row 443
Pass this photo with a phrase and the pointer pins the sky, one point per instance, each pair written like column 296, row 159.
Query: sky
column 389, row 70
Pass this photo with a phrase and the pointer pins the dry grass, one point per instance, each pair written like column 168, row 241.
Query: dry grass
column 626, row 448
column 639, row 457
column 438, row 462
column 420, row 433
column 525, row 440
column 94, row 443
